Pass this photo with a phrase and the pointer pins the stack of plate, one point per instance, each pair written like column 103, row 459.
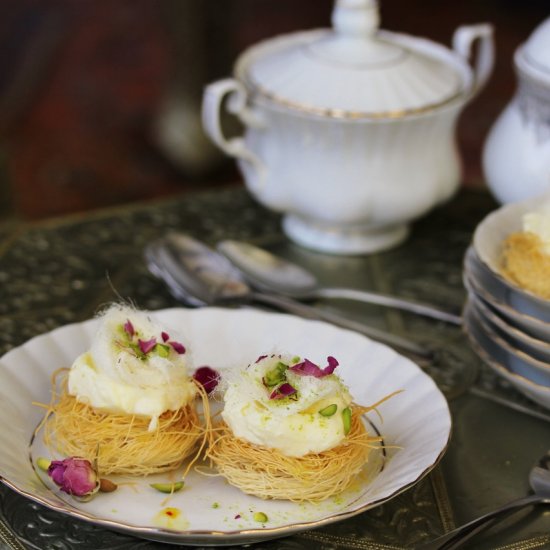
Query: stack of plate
column 508, row 327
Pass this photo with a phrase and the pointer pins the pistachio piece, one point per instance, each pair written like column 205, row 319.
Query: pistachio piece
column 329, row 410
column 260, row 517
column 162, row 350
column 43, row 463
column 346, row 418
column 168, row 487
column 276, row 375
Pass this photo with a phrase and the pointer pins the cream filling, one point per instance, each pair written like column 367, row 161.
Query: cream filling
column 539, row 224
column 295, row 428
column 112, row 378
column 100, row 391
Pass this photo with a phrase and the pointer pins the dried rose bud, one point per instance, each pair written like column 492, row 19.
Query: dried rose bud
column 75, row 476
column 207, row 377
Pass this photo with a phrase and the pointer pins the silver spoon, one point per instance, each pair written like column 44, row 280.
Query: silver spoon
column 267, row 271
column 198, row 275
column 539, row 480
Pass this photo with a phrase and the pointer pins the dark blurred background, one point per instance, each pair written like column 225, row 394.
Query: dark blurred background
column 99, row 99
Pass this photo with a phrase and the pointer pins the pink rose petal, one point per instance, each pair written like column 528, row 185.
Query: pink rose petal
column 129, row 328
column 178, row 347
column 309, row 368
column 147, row 345
column 331, row 367
column 284, row 390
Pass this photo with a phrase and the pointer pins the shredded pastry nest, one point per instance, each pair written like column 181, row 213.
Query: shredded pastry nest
column 269, row 474
column 123, row 444
column 525, row 263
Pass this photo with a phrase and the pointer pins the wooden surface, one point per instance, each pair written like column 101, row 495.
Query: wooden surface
column 82, row 84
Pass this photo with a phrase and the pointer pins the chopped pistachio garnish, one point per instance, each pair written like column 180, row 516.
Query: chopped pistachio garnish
column 162, row 350
column 260, row 517
column 346, row 418
column 168, row 487
column 142, row 348
column 43, row 463
column 137, row 351
column 276, row 375
column 329, row 410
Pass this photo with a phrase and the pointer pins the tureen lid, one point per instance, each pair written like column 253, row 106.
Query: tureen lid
column 353, row 70
column 536, row 51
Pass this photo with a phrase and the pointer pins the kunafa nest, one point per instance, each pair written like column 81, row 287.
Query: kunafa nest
column 269, row 474
column 525, row 263
column 124, row 444
column 127, row 403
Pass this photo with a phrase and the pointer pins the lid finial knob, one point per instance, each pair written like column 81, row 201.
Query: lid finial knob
column 356, row 18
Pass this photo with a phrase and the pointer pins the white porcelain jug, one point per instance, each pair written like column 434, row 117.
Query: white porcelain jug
column 516, row 155
column 349, row 131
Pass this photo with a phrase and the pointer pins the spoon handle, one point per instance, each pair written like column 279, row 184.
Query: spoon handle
column 298, row 308
column 389, row 301
column 457, row 537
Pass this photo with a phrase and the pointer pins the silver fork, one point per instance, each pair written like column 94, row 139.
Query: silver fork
column 539, row 480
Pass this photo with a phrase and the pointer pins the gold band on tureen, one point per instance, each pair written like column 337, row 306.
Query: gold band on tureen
column 328, row 112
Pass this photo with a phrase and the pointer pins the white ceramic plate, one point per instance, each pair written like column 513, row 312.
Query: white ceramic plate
column 498, row 297
column 515, row 359
column 499, row 360
column 488, row 240
column 538, row 349
column 416, row 427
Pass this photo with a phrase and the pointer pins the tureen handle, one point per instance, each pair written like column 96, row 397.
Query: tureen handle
column 214, row 96
column 463, row 40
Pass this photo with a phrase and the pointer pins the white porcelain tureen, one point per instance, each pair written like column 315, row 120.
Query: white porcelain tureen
column 349, row 131
column 516, row 156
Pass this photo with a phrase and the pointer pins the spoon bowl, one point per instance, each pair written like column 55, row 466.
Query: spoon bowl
column 268, row 272
column 195, row 273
